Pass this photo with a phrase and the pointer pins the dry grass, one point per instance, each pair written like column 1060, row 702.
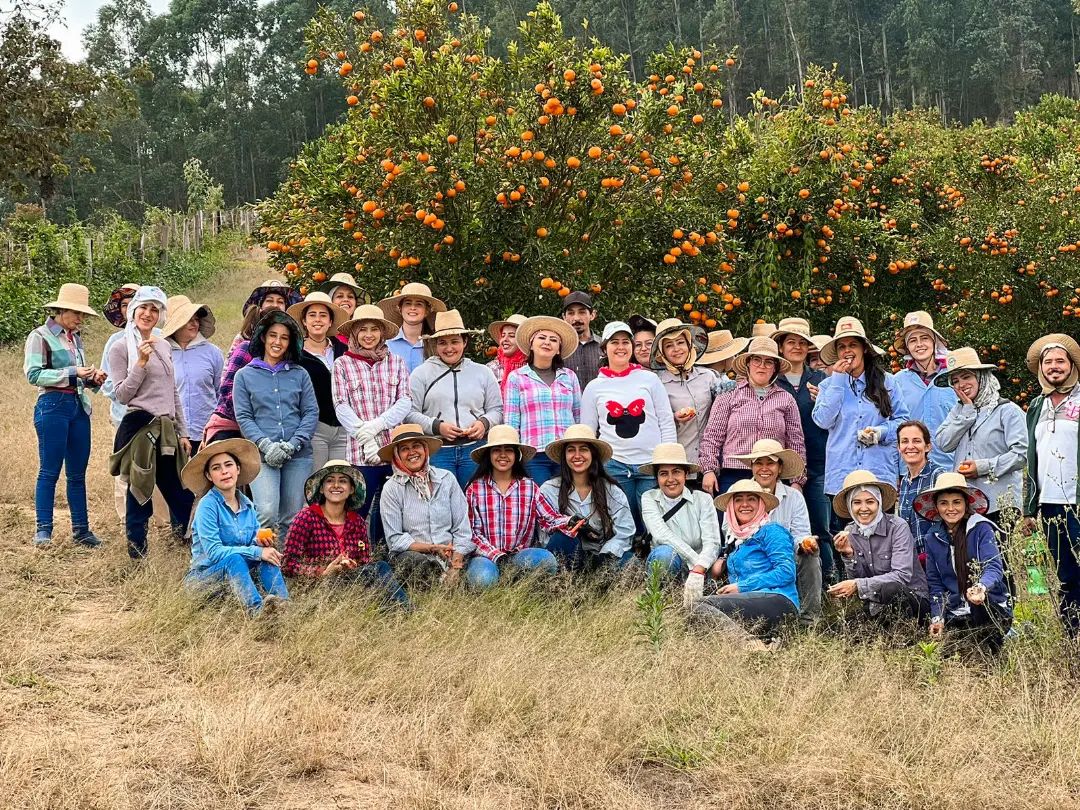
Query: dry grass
column 117, row 691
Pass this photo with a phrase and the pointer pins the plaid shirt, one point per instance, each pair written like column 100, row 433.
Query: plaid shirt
column 739, row 419
column 538, row 412
column 504, row 524
column 910, row 489
column 50, row 358
column 311, row 544
column 239, row 358
column 586, row 361
column 364, row 391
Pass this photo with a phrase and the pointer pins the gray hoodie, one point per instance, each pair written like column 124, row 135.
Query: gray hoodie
column 460, row 395
column 996, row 438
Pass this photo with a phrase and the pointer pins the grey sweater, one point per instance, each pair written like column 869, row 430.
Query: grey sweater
column 460, row 395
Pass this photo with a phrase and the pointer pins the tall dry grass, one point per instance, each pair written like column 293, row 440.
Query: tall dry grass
column 118, row 690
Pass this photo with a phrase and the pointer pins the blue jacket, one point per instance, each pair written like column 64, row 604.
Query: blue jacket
column 983, row 550
column 930, row 404
column 843, row 409
column 279, row 406
column 218, row 532
column 765, row 563
column 198, row 376
column 814, row 437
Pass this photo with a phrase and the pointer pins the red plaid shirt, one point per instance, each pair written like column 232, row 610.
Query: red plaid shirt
column 311, row 544
column 504, row 524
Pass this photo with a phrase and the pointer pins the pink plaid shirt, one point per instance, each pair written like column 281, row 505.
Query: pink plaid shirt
column 365, row 391
column 538, row 412
column 504, row 524
column 739, row 419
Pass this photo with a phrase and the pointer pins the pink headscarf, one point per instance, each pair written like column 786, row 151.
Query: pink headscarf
column 742, row 531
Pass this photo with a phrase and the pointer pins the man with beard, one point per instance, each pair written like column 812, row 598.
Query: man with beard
column 578, row 311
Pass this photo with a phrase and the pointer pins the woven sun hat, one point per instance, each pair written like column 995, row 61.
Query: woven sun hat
column 340, row 316
column 117, row 297
column 503, row 436
column 193, row 476
column 391, row 306
column 568, row 339
column 962, row 359
column 722, row 346
column 668, row 453
column 181, row 310
column 863, row 478
column 800, row 327
column 369, row 312
column 75, row 297
column 446, row 324
column 495, row 327
column 407, row 432
column 346, row 280
column 925, row 502
column 1054, row 341
column 846, row 327
column 817, row 341
column 746, row 485
column 315, row 481
column 271, row 285
column 578, row 434
column 793, row 465
column 761, row 347
column 912, row 321
column 762, row 329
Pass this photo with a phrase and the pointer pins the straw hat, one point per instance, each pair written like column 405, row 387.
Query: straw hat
column 193, row 476
column 962, row 359
column 503, row 436
column 673, row 453
column 578, row 434
column 916, row 320
column 369, row 312
column 347, row 280
column 761, row 347
column 407, row 432
column 722, row 346
column 446, row 324
column 746, row 485
column 949, row 482
column 391, row 306
column 846, row 327
column 298, row 311
column 669, row 328
column 862, row 478
column 818, row 342
column 495, row 327
column 762, row 330
column 568, row 339
column 315, row 481
column 181, row 310
column 74, row 297
column 800, row 327
column 793, row 465
column 271, row 285
column 1034, row 354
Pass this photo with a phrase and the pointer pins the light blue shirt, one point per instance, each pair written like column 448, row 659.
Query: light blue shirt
column 930, row 404
column 198, row 376
column 413, row 355
column 218, row 531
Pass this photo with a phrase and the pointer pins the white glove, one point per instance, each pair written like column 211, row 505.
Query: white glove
column 868, row 437
column 371, row 449
column 693, row 590
column 369, row 430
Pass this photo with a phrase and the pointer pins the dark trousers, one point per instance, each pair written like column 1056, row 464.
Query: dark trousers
column 1062, row 527
column 573, row 557
column 374, row 478
column 820, row 509
column 180, row 503
column 758, row 612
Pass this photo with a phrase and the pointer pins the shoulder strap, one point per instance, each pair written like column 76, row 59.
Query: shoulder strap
column 670, row 513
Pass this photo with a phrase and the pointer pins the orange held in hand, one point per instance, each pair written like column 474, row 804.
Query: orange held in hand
column 265, row 534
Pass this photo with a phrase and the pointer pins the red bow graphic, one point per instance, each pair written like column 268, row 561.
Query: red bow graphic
column 635, row 408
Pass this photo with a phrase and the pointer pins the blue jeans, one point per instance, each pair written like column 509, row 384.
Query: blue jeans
column 633, row 484
column 456, row 459
column 379, row 577
column 279, row 494
column 374, row 478
column 540, row 468
column 571, row 556
column 1062, row 527
column 63, row 431
column 670, row 562
column 820, row 509
column 483, row 573
column 236, row 571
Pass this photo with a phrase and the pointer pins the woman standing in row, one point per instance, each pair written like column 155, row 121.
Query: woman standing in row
column 198, row 362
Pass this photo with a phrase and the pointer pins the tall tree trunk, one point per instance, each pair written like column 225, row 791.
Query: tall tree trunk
column 794, row 42
column 887, row 90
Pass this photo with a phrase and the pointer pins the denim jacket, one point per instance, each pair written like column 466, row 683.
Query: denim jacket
column 279, row 406
column 218, row 532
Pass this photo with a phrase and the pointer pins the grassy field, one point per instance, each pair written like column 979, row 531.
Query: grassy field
column 118, row 691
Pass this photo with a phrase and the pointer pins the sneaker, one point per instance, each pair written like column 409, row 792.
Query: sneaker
column 86, row 538
column 43, row 538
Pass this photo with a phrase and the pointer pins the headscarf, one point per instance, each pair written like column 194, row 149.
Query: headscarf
column 132, row 336
column 1070, row 382
column 691, row 355
column 743, row 531
column 370, row 355
column 116, row 299
column 866, row 529
column 989, row 389
column 508, row 363
column 420, row 480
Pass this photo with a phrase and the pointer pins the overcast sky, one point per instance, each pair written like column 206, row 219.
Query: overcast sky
column 77, row 14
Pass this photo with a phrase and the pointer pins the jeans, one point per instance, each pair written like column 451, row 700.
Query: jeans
column 1061, row 524
column 670, row 562
column 837, row 571
column 180, row 502
column 633, row 484
column 237, row 572
column 279, row 493
column 725, row 477
column 379, row 577
column 63, row 431
column 576, row 559
column 820, row 508
column 484, row 573
column 540, row 468
column 328, row 444
column 374, row 478
column 455, row 459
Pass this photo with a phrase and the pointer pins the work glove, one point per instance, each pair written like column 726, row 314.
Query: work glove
column 291, row 449
column 693, row 590
column 264, row 445
column 868, row 437
column 276, row 455
column 369, row 430
column 371, row 449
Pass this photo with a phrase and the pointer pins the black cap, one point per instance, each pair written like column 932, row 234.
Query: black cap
column 582, row 298
column 639, row 323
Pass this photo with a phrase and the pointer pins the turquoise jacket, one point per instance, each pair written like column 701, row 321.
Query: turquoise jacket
column 765, row 563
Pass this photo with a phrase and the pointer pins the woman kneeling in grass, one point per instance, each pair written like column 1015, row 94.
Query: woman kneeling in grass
column 226, row 543
column 505, row 506
column 328, row 540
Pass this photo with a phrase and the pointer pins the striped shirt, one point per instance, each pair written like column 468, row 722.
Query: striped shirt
column 538, row 412
column 506, row 523
column 364, row 391
column 51, row 357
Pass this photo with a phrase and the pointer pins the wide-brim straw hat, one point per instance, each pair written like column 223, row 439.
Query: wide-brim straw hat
column 271, row 285
column 578, row 434
column 950, row 482
column 447, row 324
column 762, row 329
column 347, row 280
column 495, row 327
column 746, row 485
column 846, row 327
column 669, row 328
column 391, row 306
column 117, row 297
column 916, row 320
column 568, row 339
column 962, row 359
column 668, row 453
column 761, row 347
column 722, row 346
column 793, row 465
column 1035, row 353
column 75, row 297
column 193, row 476
column 408, row 432
column 340, row 316
column 503, row 436
column 315, row 481
column 369, row 312
column 817, row 342
column 181, row 309
column 800, row 327
column 863, row 478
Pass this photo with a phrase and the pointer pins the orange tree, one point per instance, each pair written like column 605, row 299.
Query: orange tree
column 506, row 182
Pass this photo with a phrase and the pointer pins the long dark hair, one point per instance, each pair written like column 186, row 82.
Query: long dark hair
column 599, row 479
column 876, row 391
column 958, row 538
column 484, row 468
column 557, row 361
column 257, row 344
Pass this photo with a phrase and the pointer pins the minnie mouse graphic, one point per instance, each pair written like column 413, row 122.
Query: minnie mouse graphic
column 626, row 419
